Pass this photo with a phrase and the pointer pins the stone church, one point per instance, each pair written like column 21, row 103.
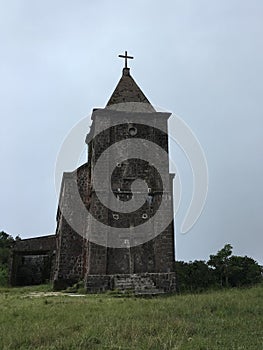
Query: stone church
column 113, row 232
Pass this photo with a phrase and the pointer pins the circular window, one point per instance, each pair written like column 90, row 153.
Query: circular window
column 132, row 131
column 116, row 216
column 144, row 216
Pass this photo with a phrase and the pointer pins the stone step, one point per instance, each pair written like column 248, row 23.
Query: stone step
column 140, row 285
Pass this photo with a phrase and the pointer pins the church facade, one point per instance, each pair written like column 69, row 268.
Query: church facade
column 114, row 232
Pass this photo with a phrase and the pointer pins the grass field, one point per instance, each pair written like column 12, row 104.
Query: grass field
column 228, row 319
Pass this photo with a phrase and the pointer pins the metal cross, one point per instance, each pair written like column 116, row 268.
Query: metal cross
column 126, row 57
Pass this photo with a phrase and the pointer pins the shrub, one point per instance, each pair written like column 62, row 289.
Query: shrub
column 3, row 276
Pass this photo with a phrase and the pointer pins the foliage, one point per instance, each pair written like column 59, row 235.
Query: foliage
column 78, row 287
column 222, row 270
column 234, row 271
column 3, row 276
column 193, row 276
column 243, row 271
column 6, row 242
column 220, row 262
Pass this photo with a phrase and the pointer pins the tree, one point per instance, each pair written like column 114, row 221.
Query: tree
column 182, row 276
column 6, row 242
column 244, row 271
column 194, row 276
column 220, row 263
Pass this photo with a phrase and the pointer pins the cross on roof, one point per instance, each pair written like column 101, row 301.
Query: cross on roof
column 126, row 58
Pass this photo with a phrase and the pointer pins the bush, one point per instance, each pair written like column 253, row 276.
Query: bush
column 77, row 288
column 194, row 276
column 244, row 271
column 222, row 270
column 3, row 276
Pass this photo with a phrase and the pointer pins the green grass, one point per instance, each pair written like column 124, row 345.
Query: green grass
column 228, row 319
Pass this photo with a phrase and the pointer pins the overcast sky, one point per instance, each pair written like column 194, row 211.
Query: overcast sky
column 201, row 60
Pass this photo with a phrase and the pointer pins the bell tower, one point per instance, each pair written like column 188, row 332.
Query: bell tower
column 130, row 232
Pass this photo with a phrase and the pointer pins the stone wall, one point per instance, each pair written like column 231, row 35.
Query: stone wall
column 156, row 255
column 71, row 229
column 32, row 260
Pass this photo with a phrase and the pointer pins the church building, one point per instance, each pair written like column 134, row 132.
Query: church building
column 115, row 227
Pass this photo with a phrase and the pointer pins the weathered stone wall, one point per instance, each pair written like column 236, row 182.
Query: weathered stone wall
column 69, row 258
column 36, row 244
column 71, row 229
column 32, row 260
column 156, row 255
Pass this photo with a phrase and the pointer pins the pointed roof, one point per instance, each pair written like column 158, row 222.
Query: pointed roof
column 126, row 92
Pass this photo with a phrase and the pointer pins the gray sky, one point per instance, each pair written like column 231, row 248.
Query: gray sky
column 199, row 59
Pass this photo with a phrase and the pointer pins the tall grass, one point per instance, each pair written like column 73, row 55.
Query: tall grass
column 228, row 319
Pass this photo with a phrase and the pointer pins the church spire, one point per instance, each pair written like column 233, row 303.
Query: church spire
column 127, row 91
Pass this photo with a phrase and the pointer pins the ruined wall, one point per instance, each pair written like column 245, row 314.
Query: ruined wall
column 32, row 260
